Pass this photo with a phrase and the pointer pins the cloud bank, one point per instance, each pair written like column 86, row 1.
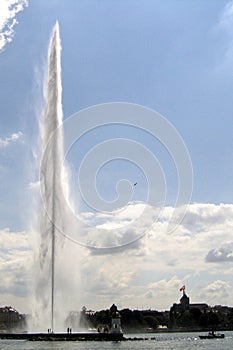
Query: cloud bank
column 221, row 254
column 8, row 12
column 198, row 254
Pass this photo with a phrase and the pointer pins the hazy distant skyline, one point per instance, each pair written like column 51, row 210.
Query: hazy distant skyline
column 174, row 57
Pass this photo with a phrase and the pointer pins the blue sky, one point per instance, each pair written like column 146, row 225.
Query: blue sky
column 174, row 57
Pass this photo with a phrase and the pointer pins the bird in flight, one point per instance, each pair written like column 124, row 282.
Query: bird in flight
column 135, row 183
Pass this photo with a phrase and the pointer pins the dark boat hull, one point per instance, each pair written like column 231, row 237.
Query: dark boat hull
column 210, row 336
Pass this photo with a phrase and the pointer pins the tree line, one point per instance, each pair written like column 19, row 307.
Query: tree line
column 150, row 320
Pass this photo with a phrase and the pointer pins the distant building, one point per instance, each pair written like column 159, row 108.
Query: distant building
column 90, row 312
column 226, row 310
column 185, row 305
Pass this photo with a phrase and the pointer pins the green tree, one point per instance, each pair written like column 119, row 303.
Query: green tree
column 151, row 321
column 186, row 320
column 196, row 315
column 203, row 322
column 213, row 319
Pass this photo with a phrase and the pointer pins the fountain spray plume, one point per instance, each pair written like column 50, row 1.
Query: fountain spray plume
column 56, row 285
column 51, row 178
column 54, row 117
column 51, row 173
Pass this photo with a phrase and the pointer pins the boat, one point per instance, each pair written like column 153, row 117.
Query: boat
column 212, row 335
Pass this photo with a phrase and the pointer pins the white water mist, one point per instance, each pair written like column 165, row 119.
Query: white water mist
column 56, row 271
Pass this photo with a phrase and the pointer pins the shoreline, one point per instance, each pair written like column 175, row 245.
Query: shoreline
column 177, row 330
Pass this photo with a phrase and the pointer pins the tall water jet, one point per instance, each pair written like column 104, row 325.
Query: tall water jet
column 51, row 176
column 56, row 285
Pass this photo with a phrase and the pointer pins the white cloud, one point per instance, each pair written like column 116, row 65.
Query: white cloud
column 164, row 292
column 225, row 28
column 13, row 240
column 227, row 16
column 217, row 286
column 8, row 11
column 166, row 285
column 178, row 257
column 10, row 139
column 148, row 275
column 218, row 292
column 15, row 266
column 221, row 254
column 35, row 185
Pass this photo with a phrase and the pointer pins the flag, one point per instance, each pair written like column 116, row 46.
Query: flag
column 182, row 288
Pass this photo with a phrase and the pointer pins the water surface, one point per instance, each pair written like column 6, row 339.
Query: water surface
column 168, row 341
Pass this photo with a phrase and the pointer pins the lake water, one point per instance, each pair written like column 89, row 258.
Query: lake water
column 168, row 341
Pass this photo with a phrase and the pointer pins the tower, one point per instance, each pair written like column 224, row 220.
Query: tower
column 115, row 320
